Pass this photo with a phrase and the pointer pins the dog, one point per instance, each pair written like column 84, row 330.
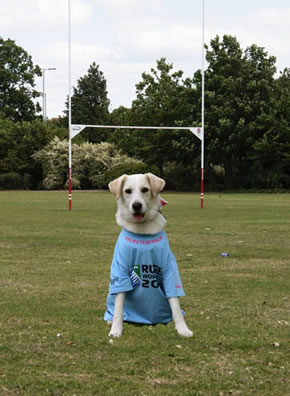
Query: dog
column 145, row 285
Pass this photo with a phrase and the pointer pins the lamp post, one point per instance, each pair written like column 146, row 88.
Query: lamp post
column 43, row 93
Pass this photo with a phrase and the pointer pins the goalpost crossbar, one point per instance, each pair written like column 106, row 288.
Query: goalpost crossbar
column 77, row 128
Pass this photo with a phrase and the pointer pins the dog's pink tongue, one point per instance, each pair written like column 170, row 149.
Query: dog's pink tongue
column 138, row 217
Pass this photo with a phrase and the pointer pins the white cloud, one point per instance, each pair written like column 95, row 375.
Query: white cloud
column 270, row 28
column 267, row 27
column 268, row 17
column 126, row 37
column 56, row 55
column 127, row 6
column 40, row 14
column 161, row 39
column 80, row 53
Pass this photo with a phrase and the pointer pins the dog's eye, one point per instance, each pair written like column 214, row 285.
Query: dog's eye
column 145, row 190
column 128, row 191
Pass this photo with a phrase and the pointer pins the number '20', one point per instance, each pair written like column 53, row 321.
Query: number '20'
column 154, row 283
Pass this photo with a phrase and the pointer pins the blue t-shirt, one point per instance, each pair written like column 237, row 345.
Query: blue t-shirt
column 145, row 268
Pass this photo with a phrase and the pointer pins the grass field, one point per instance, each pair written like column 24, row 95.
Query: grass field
column 54, row 273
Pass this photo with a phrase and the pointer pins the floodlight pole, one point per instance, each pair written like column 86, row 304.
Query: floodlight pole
column 69, row 108
column 202, row 114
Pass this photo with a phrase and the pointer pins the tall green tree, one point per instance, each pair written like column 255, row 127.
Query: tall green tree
column 239, row 105
column 163, row 99
column 17, row 82
column 121, row 116
column 18, row 142
column 272, row 151
column 90, row 104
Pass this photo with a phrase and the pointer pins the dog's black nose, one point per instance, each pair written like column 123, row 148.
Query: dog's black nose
column 137, row 206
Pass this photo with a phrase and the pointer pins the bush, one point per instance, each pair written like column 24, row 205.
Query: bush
column 27, row 181
column 93, row 165
column 181, row 178
column 11, row 181
column 54, row 161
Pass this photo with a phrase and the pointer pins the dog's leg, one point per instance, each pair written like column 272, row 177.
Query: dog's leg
column 178, row 318
column 117, row 325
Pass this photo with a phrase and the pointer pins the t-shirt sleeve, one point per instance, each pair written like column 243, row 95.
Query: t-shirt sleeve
column 120, row 279
column 171, row 278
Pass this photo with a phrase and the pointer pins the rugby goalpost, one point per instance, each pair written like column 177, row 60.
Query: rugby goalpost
column 75, row 129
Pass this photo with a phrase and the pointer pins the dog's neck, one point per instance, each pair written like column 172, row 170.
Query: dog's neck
column 151, row 228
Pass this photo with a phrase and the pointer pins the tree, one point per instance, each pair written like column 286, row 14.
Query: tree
column 18, row 142
column 121, row 116
column 239, row 105
column 272, row 151
column 17, row 82
column 162, row 100
column 90, row 104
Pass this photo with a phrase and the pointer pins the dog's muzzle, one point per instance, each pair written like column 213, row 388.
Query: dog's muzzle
column 137, row 207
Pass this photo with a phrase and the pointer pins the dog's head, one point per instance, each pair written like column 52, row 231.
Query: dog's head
column 138, row 201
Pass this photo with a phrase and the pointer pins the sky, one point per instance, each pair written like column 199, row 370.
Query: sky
column 126, row 37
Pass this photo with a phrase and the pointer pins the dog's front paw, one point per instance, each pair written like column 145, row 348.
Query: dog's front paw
column 116, row 331
column 184, row 331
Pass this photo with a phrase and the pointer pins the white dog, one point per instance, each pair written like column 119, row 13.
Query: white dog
column 145, row 282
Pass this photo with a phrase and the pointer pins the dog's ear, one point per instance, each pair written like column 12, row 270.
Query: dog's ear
column 116, row 186
column 156, row 183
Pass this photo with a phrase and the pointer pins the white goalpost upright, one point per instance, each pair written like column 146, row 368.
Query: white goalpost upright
column 202, row 112
column 75, row 129
column 69, row 109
